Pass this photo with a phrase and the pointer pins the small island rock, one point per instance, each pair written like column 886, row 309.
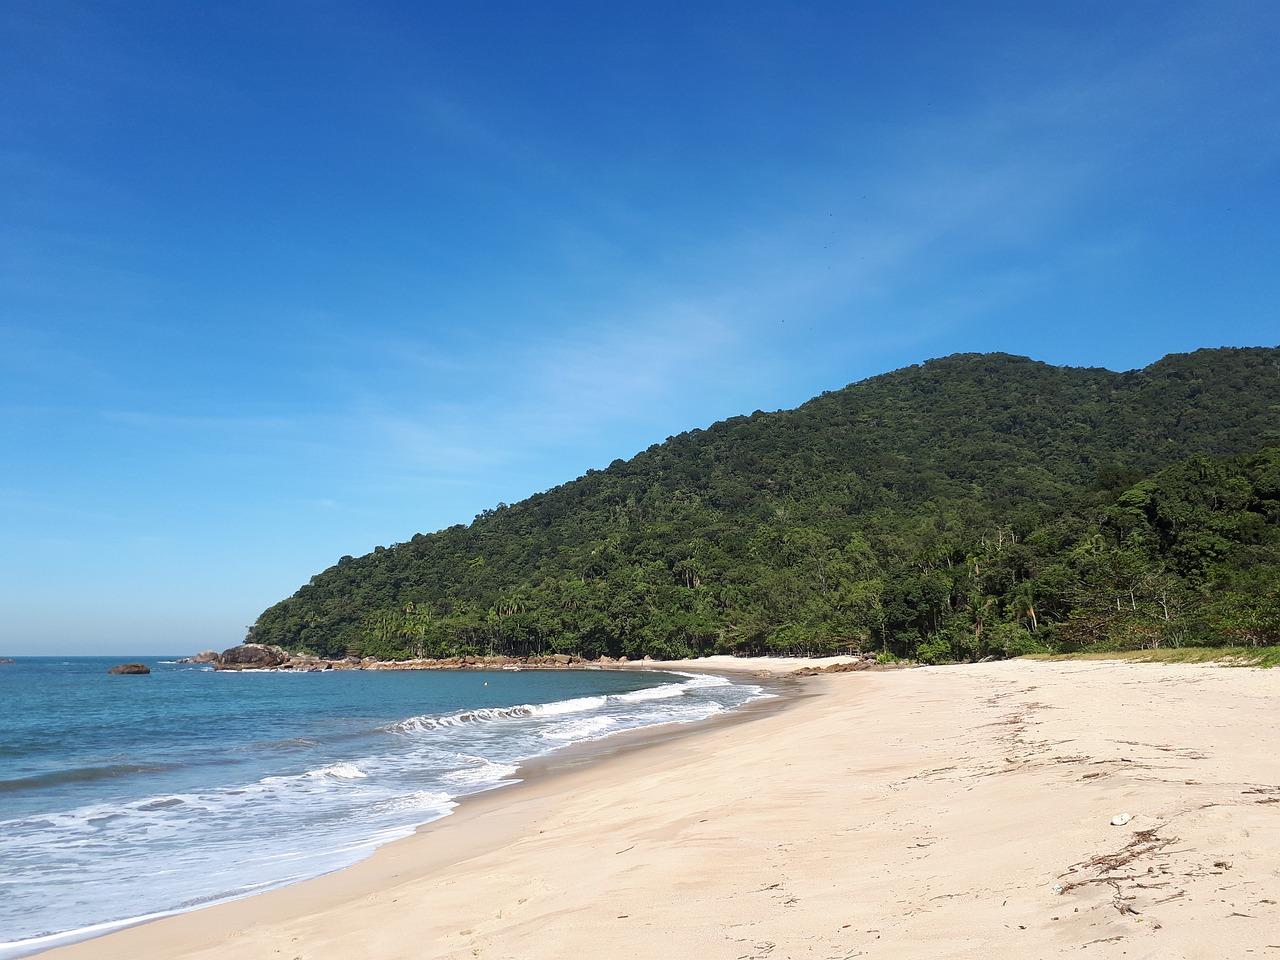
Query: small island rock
column 130, row 668
column 204, row 656
column 250, row 656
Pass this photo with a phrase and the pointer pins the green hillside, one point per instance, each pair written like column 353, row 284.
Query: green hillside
column 980, row 504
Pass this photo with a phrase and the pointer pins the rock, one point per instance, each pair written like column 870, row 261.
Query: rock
column 844, row 667
column 204, row 656
column 129, row 668
column 250, row 656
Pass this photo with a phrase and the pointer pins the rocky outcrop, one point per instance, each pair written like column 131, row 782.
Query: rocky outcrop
column 130, row 668
column 250, row 656
column 865, row 662
column 238, row 658
column 204, row 656
column 253, row 656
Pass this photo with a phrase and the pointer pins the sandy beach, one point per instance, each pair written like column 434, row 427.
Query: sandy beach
column 959, row 811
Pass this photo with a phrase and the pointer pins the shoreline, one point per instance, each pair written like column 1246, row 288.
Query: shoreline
column 936, row 812
column 253, row 657
column 770, row 673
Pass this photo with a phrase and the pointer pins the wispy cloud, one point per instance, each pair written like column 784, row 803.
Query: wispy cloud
column 201, row 425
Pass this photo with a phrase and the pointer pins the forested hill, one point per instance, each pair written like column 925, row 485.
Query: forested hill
column 976, row 504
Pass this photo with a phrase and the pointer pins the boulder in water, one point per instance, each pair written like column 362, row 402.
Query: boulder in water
column 250, row 656
column 130, row 668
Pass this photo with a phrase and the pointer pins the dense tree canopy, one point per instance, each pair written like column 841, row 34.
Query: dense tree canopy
column 971, row 506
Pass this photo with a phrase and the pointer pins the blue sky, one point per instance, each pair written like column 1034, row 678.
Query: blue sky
column 282, row 281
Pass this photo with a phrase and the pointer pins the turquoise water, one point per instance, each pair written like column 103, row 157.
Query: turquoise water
column 124, row 797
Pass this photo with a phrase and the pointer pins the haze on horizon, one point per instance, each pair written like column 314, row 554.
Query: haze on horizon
column 284, row 281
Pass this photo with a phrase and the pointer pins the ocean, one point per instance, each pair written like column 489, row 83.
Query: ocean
column 124, row 798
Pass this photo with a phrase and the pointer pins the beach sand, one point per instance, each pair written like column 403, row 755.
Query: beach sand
column 934, row 812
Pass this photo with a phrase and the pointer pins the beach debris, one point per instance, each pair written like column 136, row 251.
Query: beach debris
column 1120, row 819
column 1058, row 888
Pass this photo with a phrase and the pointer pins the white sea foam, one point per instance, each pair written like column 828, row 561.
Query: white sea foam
column 696, row 681
column 491, row 714
column 30, row 945
column 160, row 811
column 461, row 718
column 339, row 771
column 576, row 705
column 480, row 771
column 586, row 728
column 436, row 801
column 663, row 692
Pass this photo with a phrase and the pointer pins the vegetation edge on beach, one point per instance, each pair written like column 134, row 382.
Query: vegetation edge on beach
column 1224, row 656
